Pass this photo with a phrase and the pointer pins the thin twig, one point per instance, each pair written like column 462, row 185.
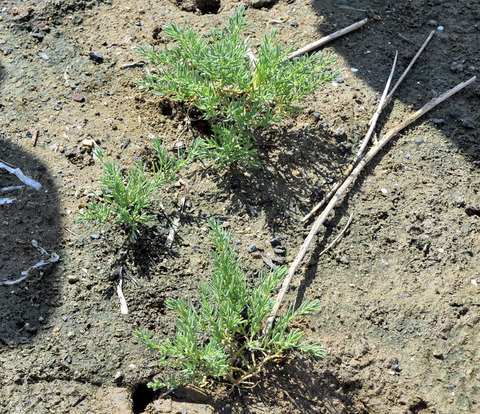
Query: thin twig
column 176, row 220
column 368, row 157
column 361, row 150
column 373, row 121
column 329, row 38
column 72, row 232
column 389, row 96
column 35, row 138
column 333, row 243
column 387, row 99
column 11, row 188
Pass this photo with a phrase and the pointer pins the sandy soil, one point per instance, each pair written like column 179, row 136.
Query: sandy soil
column 400, row 315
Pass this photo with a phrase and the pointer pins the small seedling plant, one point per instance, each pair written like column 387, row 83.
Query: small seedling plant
column 236, row 92
column 127, row 195
column 222, row 337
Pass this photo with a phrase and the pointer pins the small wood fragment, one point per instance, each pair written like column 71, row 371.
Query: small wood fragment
column 35, row 138
column 329, row 38
column 334, row 242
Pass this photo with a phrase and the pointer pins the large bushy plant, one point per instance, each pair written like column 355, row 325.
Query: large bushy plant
column 222, row 337
column 236, row 92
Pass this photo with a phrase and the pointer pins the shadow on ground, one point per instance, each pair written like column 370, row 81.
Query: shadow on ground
column 33, row 215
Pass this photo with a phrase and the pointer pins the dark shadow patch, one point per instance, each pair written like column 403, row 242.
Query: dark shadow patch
column 198, row 6
column 33, row 215
column 141, row 397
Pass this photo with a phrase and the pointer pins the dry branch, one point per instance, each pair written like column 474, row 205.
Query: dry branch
column 372, row 122
column 368, row 157
column 359, row 155
column 329, row 38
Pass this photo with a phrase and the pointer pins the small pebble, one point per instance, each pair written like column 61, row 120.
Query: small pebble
column 72, row 279
column 96, row 56
column 354, row 70
column 78, row 98
column 118, row 378
column 440, row 28
column 95, row 236
column 30, row 329
column 252, row 248
column 275, row 241
column 294, row 23
column 407, row 156
column 384, row 191
column 280, row 251
column 438, row 354
column 278, row 260
column 269, row 263
column 343, row 260
column 396, row 368
column 43, row 56
column 71, row 335
column 37, row 36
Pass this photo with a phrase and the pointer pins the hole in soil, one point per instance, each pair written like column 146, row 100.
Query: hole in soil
column 166, row 108
column 141, row 397
column 418, row 406
column 208, row 6
column 202, row 126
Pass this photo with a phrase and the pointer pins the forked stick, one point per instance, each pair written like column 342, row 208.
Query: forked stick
column 326, row 39
column 352, row 165
column 408, row 69
column 359, row 155
column 373, row 121
column 368, row 157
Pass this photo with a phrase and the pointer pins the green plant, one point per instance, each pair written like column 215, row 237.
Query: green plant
column 223, row 338
column 127, row 195
column 235, row 93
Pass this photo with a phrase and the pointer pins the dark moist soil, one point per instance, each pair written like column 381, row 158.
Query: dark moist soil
column 400, row 316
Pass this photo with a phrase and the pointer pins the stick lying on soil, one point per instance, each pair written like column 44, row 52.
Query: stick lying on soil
column 371, row 123
column 329, row 38
column 368, row 157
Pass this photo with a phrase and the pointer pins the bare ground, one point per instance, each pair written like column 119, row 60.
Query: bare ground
column 400, row 297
